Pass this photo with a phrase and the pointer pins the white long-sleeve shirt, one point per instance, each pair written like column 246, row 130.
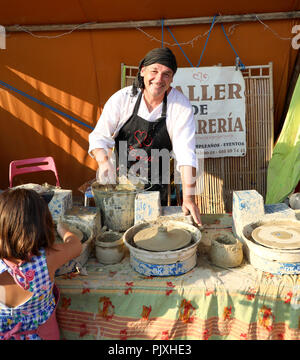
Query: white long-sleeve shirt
column 180, row 123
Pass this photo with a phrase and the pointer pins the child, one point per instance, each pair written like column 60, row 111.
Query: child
column 29, row 258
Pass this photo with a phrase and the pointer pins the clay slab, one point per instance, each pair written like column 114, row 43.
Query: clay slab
column 278, row 236
column 159, row 238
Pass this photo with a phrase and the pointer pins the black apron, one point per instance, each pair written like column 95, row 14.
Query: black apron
column 142, row 134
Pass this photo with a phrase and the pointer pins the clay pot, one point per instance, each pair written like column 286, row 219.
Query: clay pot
column 294, row 201
column 226, row 251
column 109, row 247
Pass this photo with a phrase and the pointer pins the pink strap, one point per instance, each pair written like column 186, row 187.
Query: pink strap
column 17, row 271
column 15, row 332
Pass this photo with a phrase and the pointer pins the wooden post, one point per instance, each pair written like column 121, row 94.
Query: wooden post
column 156, row 23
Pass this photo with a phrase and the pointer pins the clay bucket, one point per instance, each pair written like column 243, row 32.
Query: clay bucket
column 226, row 251
column 116, row 206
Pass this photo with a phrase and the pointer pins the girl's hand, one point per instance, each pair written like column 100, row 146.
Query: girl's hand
column 62, row 229
column 63, row 252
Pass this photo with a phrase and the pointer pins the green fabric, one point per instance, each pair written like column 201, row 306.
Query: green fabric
column 284, row 167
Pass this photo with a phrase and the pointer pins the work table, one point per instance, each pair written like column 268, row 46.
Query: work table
column 209, row 302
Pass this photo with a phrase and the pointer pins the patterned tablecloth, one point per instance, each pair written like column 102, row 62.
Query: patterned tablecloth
column 115, row 302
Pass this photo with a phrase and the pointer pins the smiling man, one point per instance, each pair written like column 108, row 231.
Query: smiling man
column 149, row 116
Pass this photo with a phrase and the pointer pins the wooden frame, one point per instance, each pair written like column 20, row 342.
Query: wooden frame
column 155, row 23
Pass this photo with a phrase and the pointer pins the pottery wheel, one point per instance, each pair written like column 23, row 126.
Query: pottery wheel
column 278, row 236
column 160, row 238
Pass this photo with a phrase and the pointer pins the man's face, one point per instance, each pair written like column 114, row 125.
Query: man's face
column 157, row 79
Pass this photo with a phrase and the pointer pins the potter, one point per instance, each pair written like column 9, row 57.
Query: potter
column 150, row 114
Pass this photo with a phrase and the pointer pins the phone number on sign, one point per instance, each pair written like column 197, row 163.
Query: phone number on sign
column 241, row 152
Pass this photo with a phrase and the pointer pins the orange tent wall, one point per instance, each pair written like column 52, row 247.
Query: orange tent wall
column 78, row 72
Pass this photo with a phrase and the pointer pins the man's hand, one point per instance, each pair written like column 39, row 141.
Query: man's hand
column 106, row 173
column 189, row 207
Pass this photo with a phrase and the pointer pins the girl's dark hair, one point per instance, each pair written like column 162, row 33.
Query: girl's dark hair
column 26, row 224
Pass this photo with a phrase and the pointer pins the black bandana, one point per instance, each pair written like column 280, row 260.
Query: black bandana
column 163, row 56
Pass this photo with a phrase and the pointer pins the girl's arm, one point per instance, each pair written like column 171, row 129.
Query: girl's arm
column 60, row 254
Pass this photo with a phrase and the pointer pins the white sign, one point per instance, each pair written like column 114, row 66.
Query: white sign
column 217, row 95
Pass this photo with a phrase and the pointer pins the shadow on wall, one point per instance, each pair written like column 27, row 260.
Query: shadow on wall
column 21, row 141
column 29, row 129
